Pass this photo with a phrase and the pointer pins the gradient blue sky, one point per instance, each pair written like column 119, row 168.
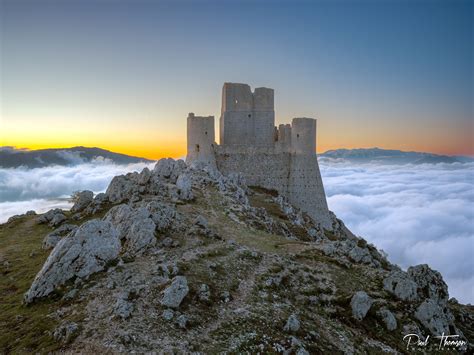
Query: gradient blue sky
column 124, row 74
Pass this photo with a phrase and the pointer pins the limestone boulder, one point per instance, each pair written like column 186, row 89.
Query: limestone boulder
column 387, row 318
column 430, row 283
column 163, row 215
column 66, row 331
column 204, row 294
column 201, row 222
column 48, row 216
column 85, row 251
column 120, row 217
column 55, row 236
column 360, row 304
column 168, row 314
column 182, row 321
column 123, row 307
column 141, row 236
column 292, row 324
column 184, row 185
column 122, row 188
column 360, row 255
column 57, row 220
column 433, row 317
column 135, row 225
column 175, row 293
column 97, row 204
column 401, row 285
column 53, row 217
column 169, row 169
column 82, row 200
column 144, row 176
column 138, row 225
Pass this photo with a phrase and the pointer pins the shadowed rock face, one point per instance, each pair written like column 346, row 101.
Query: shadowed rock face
column 235, row 269
column 13, row 158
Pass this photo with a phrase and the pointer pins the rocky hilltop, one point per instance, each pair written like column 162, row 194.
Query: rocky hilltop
column 185, row 260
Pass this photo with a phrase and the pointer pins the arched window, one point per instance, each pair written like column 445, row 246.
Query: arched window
column 197, row 147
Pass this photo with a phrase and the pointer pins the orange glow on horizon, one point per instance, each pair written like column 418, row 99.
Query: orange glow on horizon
column 177, row 149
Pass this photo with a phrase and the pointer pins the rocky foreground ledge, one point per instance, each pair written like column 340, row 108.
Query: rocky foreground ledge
column 182, row 259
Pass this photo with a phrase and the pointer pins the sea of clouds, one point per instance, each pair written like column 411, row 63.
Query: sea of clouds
column 415, row 213
column 41, row 189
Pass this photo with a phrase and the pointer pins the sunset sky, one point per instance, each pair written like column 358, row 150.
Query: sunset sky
column 123, row 75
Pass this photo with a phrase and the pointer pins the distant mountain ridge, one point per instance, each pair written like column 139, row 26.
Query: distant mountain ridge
column 390, row 156
column 11, row 157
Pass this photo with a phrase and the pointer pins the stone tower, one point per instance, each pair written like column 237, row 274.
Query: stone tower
column 247, row 118
column 200, row 140
column 282, row 159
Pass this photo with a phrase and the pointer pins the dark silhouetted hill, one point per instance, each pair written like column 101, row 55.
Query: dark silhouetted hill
column 11, row 157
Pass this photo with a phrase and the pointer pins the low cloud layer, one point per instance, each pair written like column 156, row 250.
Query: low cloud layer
column 40, row 189
column 417, row 214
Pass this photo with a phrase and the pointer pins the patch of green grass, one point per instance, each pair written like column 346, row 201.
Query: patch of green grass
column 25, row 328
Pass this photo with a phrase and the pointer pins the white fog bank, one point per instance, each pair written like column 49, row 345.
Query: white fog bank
column 41, row 189
column 416, row 213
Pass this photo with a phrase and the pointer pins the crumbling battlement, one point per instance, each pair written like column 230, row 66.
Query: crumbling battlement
column 283, row 158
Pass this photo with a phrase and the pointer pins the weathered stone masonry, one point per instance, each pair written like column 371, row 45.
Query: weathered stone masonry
column 282, row 158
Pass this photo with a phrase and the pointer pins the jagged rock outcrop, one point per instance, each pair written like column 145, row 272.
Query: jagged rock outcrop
column 122, row 188
column 169, row 169
column 207, row 264
column 138, row 225
column 401, row 285
column 85, row 251
column 430, row 283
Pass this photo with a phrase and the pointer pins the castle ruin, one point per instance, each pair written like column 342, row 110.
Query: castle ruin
column 282, row 159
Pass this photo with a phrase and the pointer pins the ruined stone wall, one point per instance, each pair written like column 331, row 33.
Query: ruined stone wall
column 283, row 141
column 305, row 187
column 295, row 176
column 303, row 135
column 260, row 167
